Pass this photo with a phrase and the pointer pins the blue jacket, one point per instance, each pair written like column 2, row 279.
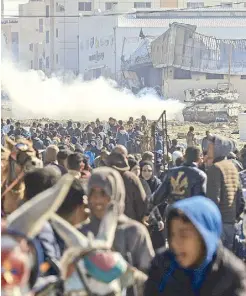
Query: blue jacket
column 91, row 157
column 122, row 138
column 49, row 245
column 220, row 273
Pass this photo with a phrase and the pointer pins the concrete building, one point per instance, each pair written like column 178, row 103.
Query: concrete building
column 66, row 24
column 183, row 59
column 105, row 40
column 10, row 38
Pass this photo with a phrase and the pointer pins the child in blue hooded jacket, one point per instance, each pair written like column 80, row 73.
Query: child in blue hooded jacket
column 197, row 264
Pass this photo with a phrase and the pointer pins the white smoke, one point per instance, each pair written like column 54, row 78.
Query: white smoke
column 36, row 96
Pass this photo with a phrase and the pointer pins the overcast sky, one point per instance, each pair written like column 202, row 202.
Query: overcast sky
column 11, row 6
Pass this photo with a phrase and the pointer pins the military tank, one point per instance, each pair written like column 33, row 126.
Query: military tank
column 212, row 104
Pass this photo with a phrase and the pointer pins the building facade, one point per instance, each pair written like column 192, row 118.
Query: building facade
column 106, row 40
column 10, row 38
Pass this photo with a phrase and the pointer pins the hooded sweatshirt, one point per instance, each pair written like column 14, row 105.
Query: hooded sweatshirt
column 219, row 266
column 131, row 237
column 206, row 218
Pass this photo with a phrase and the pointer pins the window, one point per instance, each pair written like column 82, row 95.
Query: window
column 214, row 76
column 84, row 6
column 41, row 25
column 15, row 37
column 60, row 7
column 57, row 33
column 195, row 5
column 110, row 5
column 181, row 74
column 40, row 64
column 47, row 36
column 47, row 62
column 226, row 4
column 31, row 65
column 31, row 46
column 47, row 11
column 142, row 4
column 57, row 58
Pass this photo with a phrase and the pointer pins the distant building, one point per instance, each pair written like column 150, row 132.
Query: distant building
column 107, row 40
column 181, row 59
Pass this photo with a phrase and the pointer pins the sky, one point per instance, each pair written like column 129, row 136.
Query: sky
column 11, row 6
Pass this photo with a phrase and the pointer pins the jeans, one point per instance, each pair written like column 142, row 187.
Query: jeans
column 228, row 235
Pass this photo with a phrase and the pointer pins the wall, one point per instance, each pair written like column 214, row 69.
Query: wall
column 66, row 44
column 97, row 43
column 30, row 34
column 169, row 3
column 183, row 3
column 174, row 88
column 123, row 5
column 96, row 31
column 10, row 33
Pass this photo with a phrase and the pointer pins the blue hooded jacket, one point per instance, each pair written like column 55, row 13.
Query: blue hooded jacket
column 206, row 217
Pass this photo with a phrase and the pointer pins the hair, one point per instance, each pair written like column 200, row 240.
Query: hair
column 192, row 154
column 120, row 149
column 74, row 161
column 148, row 155
column 62, row 155
column 132, row 163
column 176, row 213
column 191, row 129
column 179, row 161
column 120, row 122
column 175, row 142
column 73, row 199
column 39, row 180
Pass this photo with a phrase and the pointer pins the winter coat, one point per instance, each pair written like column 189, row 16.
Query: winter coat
column 220, row 273
column 226, row 276
column 222, row 187
column 181, row 182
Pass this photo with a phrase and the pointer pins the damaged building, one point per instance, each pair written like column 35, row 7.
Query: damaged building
column 183, row 59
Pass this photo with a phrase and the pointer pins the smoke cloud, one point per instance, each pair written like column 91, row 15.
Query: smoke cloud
column 36, row 96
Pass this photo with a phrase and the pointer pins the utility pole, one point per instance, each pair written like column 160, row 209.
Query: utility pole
column 229, row 66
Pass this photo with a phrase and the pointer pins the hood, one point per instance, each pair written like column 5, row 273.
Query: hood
column 223, row 146
column 206, row 217
column 112, row 183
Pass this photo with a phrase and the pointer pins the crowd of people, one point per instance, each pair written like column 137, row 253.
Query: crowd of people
column 176, row 218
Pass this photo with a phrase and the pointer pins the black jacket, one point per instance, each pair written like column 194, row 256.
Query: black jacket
column 181, row 182
column 225, row 276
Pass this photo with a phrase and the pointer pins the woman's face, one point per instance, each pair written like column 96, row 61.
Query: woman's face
column 136, row 170
column 147, row 172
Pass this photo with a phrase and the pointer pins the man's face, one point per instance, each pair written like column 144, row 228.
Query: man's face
column 186, row 243
column 98, row 201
